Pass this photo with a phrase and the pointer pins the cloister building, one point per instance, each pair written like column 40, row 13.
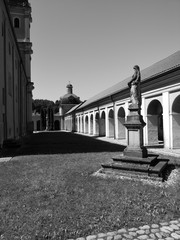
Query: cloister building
column 15, row 70
column 105, row 113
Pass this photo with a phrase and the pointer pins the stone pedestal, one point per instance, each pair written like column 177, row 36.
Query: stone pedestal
column 135, row 159
column 134, row 125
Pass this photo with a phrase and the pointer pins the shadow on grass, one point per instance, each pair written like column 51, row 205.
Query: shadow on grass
column 63, row 142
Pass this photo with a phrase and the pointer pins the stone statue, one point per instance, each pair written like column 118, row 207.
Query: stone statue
column 134, row 85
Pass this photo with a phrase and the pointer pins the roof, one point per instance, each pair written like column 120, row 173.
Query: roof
column 165, row 65
column 74, row 108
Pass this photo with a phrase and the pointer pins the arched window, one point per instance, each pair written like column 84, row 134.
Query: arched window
column 16, row 23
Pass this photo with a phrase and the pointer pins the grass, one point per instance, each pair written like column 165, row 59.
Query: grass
column 55, row 196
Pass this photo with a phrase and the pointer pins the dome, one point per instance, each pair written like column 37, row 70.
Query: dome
column 70, row 97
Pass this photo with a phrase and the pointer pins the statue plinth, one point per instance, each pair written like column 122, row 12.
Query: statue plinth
column 134, row 125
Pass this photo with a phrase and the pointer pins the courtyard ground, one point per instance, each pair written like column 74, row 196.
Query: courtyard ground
column 48, row 191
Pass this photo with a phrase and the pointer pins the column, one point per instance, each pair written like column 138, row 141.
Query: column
column 166, row 120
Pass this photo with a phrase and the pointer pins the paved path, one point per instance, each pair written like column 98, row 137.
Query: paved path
column 162, row 231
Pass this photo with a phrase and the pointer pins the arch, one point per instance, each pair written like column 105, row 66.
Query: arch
column 97, row 124
column 176, row 122
column 121, row 121
column 91, row 124
column 86, row 124
column 111, row 123
column 38, row 125
column 56, row 125
column 76, row 124
column 16, row 23
column 155, row 122
column 82, row 124
column 102, row 126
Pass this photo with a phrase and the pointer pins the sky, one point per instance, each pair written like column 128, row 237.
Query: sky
column 94, row 44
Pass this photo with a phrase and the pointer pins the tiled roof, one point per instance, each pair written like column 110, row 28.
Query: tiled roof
column 165, row 65
column 73, row 108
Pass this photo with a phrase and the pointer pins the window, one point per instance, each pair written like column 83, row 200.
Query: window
column 16, row 23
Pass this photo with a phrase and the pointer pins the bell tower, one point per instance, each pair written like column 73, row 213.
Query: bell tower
column 20, row 11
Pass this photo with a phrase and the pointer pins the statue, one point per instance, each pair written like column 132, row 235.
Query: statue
column 134, row 85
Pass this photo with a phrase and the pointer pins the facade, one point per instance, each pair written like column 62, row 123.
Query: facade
column 15, row 70
column 105, row 113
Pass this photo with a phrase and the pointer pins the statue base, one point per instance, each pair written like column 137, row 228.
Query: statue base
column 135, row 158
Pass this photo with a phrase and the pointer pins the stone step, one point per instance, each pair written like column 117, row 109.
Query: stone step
column 130, row 174
column 137, row 168
column 151, row 160
column 158, row 168
column 128, row 167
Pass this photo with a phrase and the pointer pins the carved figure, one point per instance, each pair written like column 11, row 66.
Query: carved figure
column 134, row 85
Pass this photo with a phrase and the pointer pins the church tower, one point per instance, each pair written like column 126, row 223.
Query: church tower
column 20, row 11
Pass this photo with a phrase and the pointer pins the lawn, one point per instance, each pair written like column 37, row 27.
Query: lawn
column 55, row 196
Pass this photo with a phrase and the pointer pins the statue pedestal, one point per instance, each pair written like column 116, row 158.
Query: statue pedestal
column 134, row 125
column 135, row 160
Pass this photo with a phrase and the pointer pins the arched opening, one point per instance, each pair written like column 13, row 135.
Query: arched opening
column 16, row 23
column 82, row 124
column 56, row 125
column 102, row 128
column 97, row 124
column 176, row 122
column 111, row 123
column 76, row 125
column 86, row 124
column 38, row 125
column 91, row 124
column 155, row 122
column 121, row 121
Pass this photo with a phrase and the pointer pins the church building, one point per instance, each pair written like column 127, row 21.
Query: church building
column 15, row 70
column 68, row 102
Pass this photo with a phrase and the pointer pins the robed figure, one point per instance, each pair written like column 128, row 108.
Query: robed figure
column 134, row 85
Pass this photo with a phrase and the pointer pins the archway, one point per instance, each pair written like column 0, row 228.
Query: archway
column 76, row 125
column 97, row 124
column 56, row 125
column 82, row 124
column 111, row 123
column 91, row 124
column 102, row 128
column 86, row 124
column 155, row 122
column 121, row 121
column 176, row 122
